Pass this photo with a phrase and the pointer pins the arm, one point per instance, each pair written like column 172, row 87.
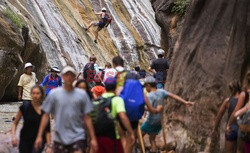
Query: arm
column 45, row 80
column 241, row 112
column 19, row 92
column 220, row 114
column 125, row 121
column 178, row 98
column 49, row 143
column 239, row 105
column 89, row 125
column 96, row 13
column 13, row 128
column 151, row 108
column 43, row 124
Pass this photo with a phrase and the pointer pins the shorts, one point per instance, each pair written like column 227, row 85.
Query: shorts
column 150, row 129
column 108, row 145
column 134, row 125
column 232, row 136
column 99, row 24
column 76, row 146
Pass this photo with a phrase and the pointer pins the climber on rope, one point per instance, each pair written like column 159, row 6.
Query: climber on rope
column 103, row 22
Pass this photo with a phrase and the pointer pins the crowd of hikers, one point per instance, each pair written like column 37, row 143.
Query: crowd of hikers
column 99, row 110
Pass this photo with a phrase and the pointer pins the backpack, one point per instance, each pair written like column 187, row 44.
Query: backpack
column 102, row 118
column 50, row 79
column 108, row 20
column 88, row 70
column 133, row 97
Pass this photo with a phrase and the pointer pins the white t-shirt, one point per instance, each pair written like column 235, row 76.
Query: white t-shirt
column 27, row 82
column 109, row 73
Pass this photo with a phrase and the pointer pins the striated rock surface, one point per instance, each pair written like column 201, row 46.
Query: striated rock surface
column 50, row 33
column 211, row 51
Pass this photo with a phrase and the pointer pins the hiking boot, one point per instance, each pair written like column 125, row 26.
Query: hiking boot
column 95, row 41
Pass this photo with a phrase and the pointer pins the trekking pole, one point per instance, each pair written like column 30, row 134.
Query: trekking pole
column 141, row 138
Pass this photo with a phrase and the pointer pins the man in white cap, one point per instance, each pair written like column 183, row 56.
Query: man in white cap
column 70, row 107
column 104, row 21
column 26, row 82
column 159, row 67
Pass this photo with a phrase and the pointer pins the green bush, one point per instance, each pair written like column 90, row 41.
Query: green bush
column 180, row 7
column 15, row 18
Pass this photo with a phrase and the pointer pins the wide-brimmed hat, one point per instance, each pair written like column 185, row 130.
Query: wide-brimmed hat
column 55, row 69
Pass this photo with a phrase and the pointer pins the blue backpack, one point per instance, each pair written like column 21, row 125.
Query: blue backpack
column 133, row 97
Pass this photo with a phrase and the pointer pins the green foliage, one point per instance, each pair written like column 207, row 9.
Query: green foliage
column 180, row 7
column 15, row 18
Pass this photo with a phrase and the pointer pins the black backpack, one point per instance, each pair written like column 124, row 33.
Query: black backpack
column 102, row 117
column 89, row 71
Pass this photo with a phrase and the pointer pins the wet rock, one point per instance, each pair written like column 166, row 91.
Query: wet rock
column 211, row 51
column 51, row 34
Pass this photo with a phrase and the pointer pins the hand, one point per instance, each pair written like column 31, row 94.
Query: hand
column 93, row 145
column 38, row 143
column 19, row 97
column 132, row 139
column 49, row 149
column 189, row 103
column 14, row 142
column 228, row 129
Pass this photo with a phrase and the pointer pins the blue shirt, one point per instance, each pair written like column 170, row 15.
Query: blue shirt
column 52, row 82
column 156, row 98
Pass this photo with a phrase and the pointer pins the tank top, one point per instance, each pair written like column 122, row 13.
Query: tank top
column 232, row 104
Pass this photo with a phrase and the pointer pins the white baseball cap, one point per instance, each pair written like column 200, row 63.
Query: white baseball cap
column 68, row 69
column 104, row 9
column 160, row 52
column 28, row 65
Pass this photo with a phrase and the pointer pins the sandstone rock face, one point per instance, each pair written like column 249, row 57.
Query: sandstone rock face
column 52, row 34
column 211, row 51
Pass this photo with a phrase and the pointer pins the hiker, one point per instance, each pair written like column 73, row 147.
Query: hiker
column 118, row 64
column 103, row 22
column 229, row 104
column 109, row 71
column 52, row 80
column 70, row 107
column 90, row 70
column 106, row 128
column 132, row 90
column 237, row 115
column 31, row 114
column 82, row 84
column 142, row 73
column 152, row 125
column 159, row 67
column 98, row 89
column 242, row 101
column 26, row 82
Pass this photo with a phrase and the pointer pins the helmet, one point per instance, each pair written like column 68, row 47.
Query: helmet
column 28, row 65
column 160, row 52
column 55, row 69
column 104, row 9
